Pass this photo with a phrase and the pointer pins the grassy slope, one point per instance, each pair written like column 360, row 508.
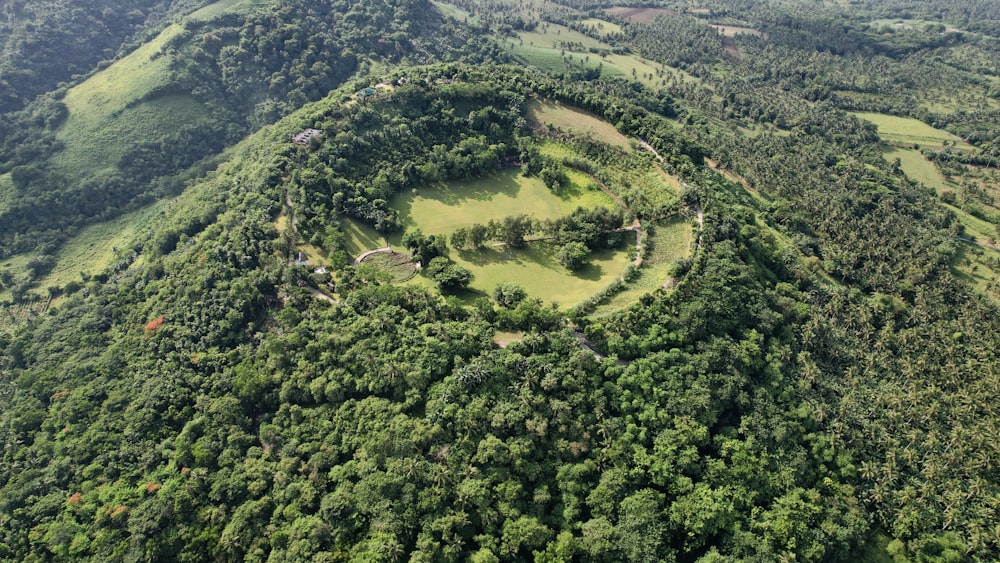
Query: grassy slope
column 543, row 50
column 100, row 114
column 909, row 131
column 976, row 265
column 105, row 110
column 536, row 269
column 443, row 208
column 670, row 241
column 542, row 113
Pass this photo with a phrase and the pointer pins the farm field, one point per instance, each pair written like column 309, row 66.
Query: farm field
column 442, row 208
column 566, row 118
column 909, row 131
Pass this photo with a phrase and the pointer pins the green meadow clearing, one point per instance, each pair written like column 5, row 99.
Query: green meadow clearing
column 444, row 207
column 916, row 166
column 94, row 248
column 536, row 269
column 543, row 112
column 543, row 48
column 909, row 131
column 603, row 27
column 668, row 241
column 106, row 116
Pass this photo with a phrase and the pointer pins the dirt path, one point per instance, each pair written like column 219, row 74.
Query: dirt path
column 635, row 226
column 650, row 148
column 364, row 255
column 291, row 210
column 320, row 295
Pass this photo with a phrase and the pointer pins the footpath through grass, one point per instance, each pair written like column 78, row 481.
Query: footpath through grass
column 668, row 242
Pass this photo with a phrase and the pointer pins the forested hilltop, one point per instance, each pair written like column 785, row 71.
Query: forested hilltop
column 508, row 281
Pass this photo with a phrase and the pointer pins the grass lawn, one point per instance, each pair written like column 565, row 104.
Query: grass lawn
column 444, row 207
column 536, row 269
column 909, row 131
column 572, row 120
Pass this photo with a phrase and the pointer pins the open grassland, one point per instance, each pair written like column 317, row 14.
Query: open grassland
column 226, row 7
column 536, row 269
column 108, row 114
column 909, row 131
column 566, row 118
column 444, row 207
column 556, row 47
column 917, row 167
column 668, row 241
column 603, row 28
column 96, row 247
column 980, row 268
column 454, row 11
column 734, row 30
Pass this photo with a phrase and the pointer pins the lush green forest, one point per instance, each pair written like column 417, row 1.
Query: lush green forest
column 276, row 357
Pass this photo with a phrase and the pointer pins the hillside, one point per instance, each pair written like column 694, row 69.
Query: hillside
column 551, row 281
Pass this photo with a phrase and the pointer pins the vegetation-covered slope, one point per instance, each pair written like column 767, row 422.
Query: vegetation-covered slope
column 816, row 383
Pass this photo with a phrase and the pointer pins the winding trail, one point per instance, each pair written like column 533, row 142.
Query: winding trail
column 368, row 253
column 699, row 216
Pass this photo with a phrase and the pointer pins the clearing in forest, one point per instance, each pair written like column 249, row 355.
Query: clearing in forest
column 909, row 131
column 916, row 166
column 734, row 30
column 669, row 241
column 602, row 27
column 556, row 48
column 542, row 113
column 639, row 15
column 444, row 207
column 536, row 269
column 360, row 237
